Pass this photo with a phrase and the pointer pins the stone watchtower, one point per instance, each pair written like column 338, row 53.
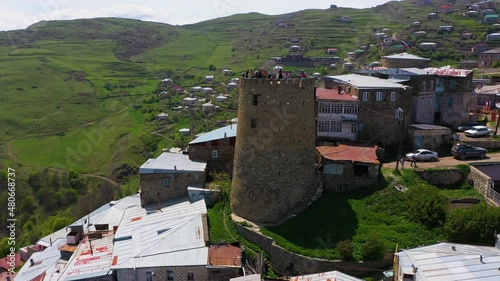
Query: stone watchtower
column 274, row 162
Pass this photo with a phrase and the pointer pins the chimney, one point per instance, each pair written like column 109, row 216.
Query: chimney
column 175, row 167
column 481, row 258
column 225, row 135
column 340, row 89
column 497, row 241
column 50, row 242
column 32, row 263
column 90, row 245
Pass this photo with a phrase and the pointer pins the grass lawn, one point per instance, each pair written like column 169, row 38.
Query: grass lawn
column 359, row 216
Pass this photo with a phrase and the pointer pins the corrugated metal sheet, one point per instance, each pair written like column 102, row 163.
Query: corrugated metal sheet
column 405, row 56
column 172, row 237
column 448, row 71
column 221, row 133
column 85, row 263
column 45, row 261
column 365, row 82
column 332, row 94
column 345, row 152
column 449, row 261
column 324, row 276
column 172, row 163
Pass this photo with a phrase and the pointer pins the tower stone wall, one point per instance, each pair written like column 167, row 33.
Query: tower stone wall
column 275, row 157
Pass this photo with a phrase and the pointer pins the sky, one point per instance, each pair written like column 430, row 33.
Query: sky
column 20, row 14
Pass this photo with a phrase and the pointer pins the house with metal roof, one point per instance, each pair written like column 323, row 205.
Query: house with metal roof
column 170, row 244
column 168, row 176
column 448, row 261
column 44, row 265
column 380, row 105
column 487, row 58
column 404, row 60
column 216, row 148
column 346, row 167
column 453, row 95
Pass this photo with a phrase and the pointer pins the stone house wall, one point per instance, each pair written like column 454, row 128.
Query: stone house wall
column 160, row 273
column 349, row 180
column 153, row 184
column 404, row 63
column 205, row 151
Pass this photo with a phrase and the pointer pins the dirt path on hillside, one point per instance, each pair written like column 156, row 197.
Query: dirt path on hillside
column 105, row 178
column 448, row 161
column 10, row 153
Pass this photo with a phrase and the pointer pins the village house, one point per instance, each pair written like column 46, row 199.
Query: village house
column 167, row 82
column 208, row 107
column 403, row 60
column 168, row 176
column 337, row 114
column 453, row 95
column 324, row 276
column 429, row 136
column 427, row 46
column 216, row 148
column 346, row 167
column 190, row 101
column 161, row 117
column 479, row 48
column 332, row 51
column 345, row 19
column 294, row 48
column 381, row 105
column 493, row 36
column 224, row 262
column 447, row 261
column 227, row 72
column 486, row 98
column 422, row 83
column 487, row 58
column 209, row 79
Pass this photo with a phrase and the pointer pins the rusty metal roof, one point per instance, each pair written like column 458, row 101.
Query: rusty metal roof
column 352, row 153
column 332, row 94
column 224, row 255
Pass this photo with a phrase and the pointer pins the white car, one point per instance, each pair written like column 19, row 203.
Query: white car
column 478, row 131
column 422, row 155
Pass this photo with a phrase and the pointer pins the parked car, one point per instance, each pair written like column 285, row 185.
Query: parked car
column 422, row 155
column 463, row 150
column 478, row 131
column 467, row 127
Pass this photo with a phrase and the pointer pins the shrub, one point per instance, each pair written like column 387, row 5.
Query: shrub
column 345, row 250
column 372, row 249
column 426, row 205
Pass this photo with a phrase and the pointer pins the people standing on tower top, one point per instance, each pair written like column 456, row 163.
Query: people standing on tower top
column 303, row 74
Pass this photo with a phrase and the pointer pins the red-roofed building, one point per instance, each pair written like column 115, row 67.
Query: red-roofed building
column 224, row 262
column 7, row 262
column 347, row 167
column 337, row 114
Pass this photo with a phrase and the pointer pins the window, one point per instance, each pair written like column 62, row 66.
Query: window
column 334, row 169
column 366, row 96
column 323, row 126
column 149, row 276
column 354, row 128
column 453, row 84
column 190, row 276
column 255, row 100
column 360, row 170
column 170, row 275
column 440, row 82
column 380, row 96
column 337, row 127
column 165, row 183
column 423, row 85
column 398, row 113
column 337, row 108
column 429, row 101
column 431, row 85
column 450, row 101
column 422, row 101
column 393, row 96
column 253, row 123
column 215, row 154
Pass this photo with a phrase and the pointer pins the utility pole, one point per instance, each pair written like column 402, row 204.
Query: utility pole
column 400, row 149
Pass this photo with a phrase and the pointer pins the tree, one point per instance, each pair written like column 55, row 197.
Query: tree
column 473, row 225
column 212, row 67
column 426, row 205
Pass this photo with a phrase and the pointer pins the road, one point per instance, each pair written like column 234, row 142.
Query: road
column 446, row 162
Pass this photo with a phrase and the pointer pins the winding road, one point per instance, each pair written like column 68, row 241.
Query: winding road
column 447, row 161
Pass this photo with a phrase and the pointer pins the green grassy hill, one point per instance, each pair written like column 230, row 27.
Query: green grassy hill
column 77, row 95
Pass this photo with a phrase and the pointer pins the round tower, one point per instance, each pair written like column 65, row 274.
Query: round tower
column 274, row 160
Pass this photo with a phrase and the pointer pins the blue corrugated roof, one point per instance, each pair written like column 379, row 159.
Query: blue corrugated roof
column 221, row 133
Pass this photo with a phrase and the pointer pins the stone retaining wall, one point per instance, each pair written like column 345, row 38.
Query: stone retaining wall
column 442, row 176
column 287, row 263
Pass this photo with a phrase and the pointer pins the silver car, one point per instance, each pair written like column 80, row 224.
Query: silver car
column 478, row 131
column 422, row 155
